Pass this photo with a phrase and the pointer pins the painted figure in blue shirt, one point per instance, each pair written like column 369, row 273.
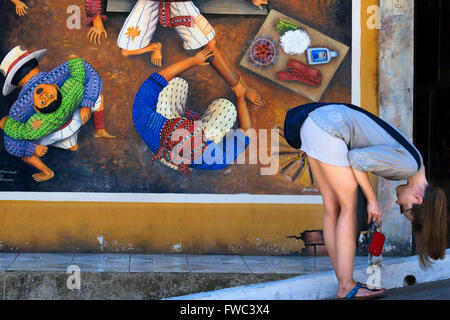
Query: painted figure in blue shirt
column 159, row 109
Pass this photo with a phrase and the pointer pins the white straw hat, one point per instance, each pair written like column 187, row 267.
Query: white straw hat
column 13, row 61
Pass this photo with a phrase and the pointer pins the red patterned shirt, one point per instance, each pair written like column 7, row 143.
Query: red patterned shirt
column 96, row 8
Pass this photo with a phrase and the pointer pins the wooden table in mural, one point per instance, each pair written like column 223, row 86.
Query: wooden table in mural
column 318, row 39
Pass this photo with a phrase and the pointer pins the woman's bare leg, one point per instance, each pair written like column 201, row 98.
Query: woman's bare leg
column 331, row 210
column 342, row 182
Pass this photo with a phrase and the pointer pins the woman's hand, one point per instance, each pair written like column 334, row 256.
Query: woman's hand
column 202, row 56
column 374, row 212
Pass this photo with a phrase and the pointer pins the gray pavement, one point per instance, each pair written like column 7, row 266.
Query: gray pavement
column 436, row 290
column 164, row 263
column 147, row 276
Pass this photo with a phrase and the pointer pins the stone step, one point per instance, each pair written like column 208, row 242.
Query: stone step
column 238, row 7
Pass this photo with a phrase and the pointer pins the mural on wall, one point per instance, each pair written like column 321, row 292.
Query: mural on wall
column 103, row 96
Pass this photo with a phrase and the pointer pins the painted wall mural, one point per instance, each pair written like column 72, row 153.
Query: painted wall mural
column 183, row 97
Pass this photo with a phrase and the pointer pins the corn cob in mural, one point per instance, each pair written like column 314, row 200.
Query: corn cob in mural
column 293, row 163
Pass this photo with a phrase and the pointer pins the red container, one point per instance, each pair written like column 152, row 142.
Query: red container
column 377, row 243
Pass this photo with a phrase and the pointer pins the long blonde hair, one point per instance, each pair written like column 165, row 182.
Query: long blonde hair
column 430, row 226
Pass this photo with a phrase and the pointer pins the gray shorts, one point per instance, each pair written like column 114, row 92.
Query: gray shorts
column 318, row 144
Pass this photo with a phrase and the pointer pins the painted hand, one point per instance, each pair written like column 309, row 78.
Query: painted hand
column 40, row 151
column 2, row 122
column 71, row 57
column 202, row 56
column 258, row 3
column 85, row 115
column 240, row 89
column 21, row 8
column 95, row 35
column 37, row 124
column 97, row 30
column 374, row 212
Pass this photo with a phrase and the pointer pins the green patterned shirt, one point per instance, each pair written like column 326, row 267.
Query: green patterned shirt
column 72, row 94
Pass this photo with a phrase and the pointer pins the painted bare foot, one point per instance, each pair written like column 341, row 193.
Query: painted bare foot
column 254, row 97
column 102, row 133
column 43, row 176
column 74, row 148
column 157, row 55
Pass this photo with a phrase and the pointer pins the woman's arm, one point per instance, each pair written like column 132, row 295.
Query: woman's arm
column 389, row 162
column 373, row 209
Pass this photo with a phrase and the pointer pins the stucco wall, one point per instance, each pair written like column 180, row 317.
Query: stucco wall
column 396, row 84
column 28, row 226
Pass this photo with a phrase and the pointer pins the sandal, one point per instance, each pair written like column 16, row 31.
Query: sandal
column 365, row 286
column 352, row 294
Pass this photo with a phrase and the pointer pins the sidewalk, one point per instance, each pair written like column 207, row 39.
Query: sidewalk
column 165, row 263
column 193, row 277
column 323, row 285
column 143, row 276
column 435, row 290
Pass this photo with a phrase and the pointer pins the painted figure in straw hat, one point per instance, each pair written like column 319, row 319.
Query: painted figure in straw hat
column 183, row 16
column 54, row 106
column 40, row 90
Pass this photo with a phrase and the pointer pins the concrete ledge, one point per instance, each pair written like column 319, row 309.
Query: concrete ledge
column 206, row 7
column 37, row 285
column 323, row 285
column 436, row 290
